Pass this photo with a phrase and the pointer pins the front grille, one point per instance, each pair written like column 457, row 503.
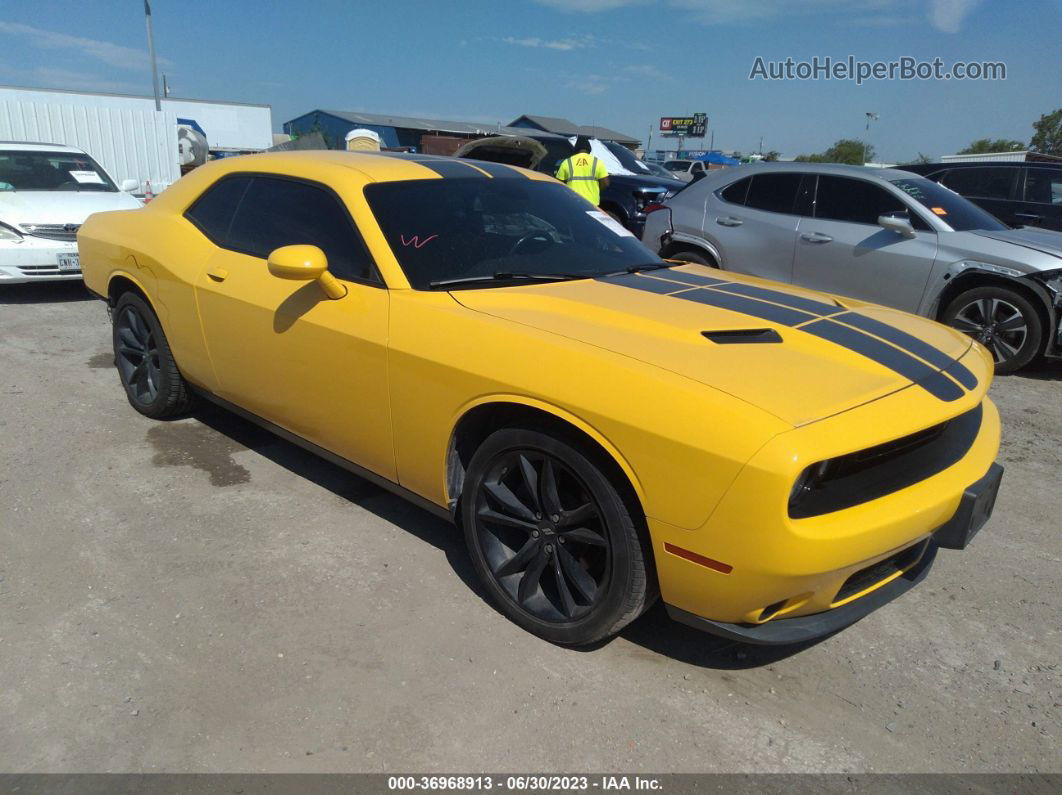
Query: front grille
column 872, row 473
column 882, row 570
column 41, row 270
column 52, row 231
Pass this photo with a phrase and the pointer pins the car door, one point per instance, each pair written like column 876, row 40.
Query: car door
column 991, row 187
column 753, row 222
column 842, row 249
column 281, row 349
column 1041, row 203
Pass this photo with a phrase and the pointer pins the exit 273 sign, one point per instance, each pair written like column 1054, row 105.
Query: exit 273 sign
column 693, row 126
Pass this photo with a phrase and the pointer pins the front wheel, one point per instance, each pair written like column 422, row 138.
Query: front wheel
column 145, row 362
column 1002, row 320
column 552, row 539
column 693, row 256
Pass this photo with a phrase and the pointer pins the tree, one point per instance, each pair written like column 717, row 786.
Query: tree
column 987, row 145
column 1047, row 138
column 772, row 156
column 846, row 150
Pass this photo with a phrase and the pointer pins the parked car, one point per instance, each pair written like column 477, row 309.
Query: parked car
column 601, row 424
column 880, row 235
column 624, row 198
column 1017, row 193
column 686, row 170
column 46, row 192
column 657, row 170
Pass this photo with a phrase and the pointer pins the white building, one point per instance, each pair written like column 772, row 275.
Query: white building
column 125, row 133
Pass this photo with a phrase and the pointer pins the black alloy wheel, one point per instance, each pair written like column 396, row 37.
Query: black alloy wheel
column 145, row 362
column 552, row 539
column 137, row 355
column 541, row 533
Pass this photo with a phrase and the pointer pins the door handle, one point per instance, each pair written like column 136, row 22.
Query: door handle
column 218, row 274
column 816, row 237
column 729, row 220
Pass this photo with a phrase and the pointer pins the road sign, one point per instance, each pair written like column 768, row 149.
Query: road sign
column 694, row 126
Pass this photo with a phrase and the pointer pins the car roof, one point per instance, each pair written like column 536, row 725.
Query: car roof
column 35, row 146
column 791, row 167
column 986, row 163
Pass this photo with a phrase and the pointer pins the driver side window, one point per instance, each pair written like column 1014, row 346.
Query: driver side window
column 256, row 214
column 857, row 201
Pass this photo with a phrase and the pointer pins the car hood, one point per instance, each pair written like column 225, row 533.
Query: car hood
column 645, row 180
column 660, row 318
column 1045, row 241
column 60, row 207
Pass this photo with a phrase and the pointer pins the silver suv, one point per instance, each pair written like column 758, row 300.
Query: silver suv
column 880, row 235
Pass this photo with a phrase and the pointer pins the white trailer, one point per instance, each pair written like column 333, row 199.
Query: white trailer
column 125, row 134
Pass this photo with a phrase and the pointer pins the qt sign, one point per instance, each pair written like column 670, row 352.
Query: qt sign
column 693, row 126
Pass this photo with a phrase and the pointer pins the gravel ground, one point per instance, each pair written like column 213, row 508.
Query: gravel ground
column 198, row 595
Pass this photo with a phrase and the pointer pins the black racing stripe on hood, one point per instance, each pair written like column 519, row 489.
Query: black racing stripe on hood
column 686, row 278
column 919, row 348
column 748, row 306
column 886, row 355
column 642, row 283
column 778, row 297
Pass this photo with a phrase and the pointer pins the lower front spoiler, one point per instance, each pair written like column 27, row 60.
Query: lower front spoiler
column 804, row 628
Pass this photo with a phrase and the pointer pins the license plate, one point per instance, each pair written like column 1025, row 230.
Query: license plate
column 68, row 262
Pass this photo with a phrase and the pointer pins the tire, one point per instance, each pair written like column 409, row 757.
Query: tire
column 688, row 255
column 145, row 363
column 591, row 562
column 1001, row 319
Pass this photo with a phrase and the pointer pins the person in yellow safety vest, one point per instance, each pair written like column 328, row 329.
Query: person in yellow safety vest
column 584, row 173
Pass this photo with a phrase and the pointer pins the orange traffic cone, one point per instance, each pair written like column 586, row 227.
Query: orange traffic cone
column 148, row 195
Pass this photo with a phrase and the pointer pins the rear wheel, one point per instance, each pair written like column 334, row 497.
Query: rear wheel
column 1003, row 320
column 552, row 539
column 145, row 363
column 688, row 255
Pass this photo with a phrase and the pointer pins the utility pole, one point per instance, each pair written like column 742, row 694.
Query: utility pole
column 165, row 86
column 870, row 117
column 649, row 141
column 151, row 52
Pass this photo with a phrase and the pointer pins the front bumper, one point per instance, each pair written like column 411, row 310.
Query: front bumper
column 35, row 260
column 806, row 628
column 973, row 512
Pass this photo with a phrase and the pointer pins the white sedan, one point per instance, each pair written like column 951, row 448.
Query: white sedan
column 46, row 192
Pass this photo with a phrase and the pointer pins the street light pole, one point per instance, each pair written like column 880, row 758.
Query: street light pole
column 151, row 52
column 870, row 117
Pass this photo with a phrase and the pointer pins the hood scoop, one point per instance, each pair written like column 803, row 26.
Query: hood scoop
column 742, row 336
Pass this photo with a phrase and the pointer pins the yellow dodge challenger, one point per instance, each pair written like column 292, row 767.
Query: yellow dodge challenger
column 603, row 425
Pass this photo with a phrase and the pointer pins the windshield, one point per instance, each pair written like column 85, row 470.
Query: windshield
column 456, row 228
column 29, row 170
column 677, row 165
column 960, row 214
column 657, row 170
column 627, row 158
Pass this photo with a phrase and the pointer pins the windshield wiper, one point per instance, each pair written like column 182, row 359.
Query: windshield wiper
column 507, row 276
column 649, row 266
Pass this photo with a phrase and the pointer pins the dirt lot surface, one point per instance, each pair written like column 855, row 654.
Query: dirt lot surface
column 198, row 595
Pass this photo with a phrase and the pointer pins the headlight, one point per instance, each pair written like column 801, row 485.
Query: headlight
column 9, row 234
column 809, row 479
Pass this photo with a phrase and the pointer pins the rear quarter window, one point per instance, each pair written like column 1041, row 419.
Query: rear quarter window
column 213, row 211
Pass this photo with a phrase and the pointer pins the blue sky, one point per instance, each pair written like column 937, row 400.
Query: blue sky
column 618, row 63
